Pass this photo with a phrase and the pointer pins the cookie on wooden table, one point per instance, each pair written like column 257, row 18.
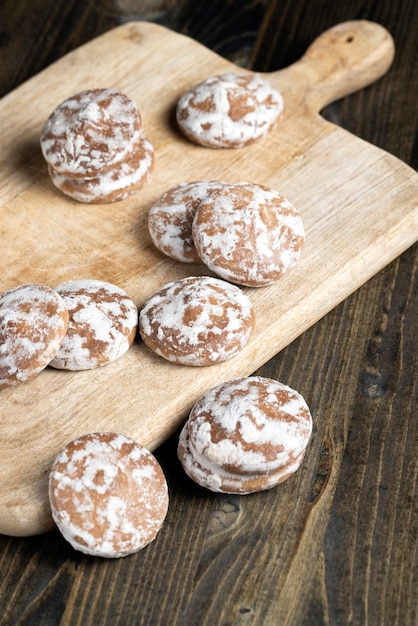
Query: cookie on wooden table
column 197, row 321
column 33, row 322
column 248, row 234
column 108, row 495
column 170, row 219
column 102, row 324
column 245, row 435
column 126, row 177
column 230, row 110
column 90, row 132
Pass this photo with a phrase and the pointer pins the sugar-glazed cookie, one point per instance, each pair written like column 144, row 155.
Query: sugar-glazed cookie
column 198, row 320
column 90, row 132
column 127, row 177
column 33, row 322
column 102, row 324
column 171, row 216
column 229, row 110
column 245, row 435
column 248, row 234
column 108, row 495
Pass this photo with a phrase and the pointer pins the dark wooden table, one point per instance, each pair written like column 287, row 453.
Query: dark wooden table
column 347, row 554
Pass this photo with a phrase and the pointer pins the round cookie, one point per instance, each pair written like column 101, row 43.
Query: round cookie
column 229, row 110
column 245, row 435
column 108, row 495
column 198, row 321
column 170, row 219
column 33, row 322
column 102, row 325
column 90, row 132
column 127, row 177
column 248, row 234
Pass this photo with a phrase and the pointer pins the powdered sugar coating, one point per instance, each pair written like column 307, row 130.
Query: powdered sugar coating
column 248, row 234
column 245, row 435
column 127, row 177
column 198, row 321
column 33, row 322
column 90, row 132
column 108, row 495
column 230, row 110
column 102, row 324
column 170, row 219
column 213, row 477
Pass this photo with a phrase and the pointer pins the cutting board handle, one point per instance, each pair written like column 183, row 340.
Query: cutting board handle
column 342, row 60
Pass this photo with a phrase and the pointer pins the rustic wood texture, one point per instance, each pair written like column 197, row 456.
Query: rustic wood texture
column 337, row 543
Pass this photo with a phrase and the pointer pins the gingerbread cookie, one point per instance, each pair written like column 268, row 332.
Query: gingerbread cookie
column 126, row 178
column 102, row 324
column 245, row 435
column 198, row 321
column 90, row 132
column 108, row 495
column 229, row 111
column 33, row 322
column 248, row 234
column 170, row 219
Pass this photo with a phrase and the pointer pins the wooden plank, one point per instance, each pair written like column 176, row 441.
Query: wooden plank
column 358, row 203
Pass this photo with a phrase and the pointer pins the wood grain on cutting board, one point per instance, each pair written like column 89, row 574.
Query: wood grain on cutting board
column 359, row 206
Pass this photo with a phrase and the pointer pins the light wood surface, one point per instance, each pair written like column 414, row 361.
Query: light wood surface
column 359, row 206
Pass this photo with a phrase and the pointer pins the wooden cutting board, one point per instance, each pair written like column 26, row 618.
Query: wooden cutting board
column 359, row 206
